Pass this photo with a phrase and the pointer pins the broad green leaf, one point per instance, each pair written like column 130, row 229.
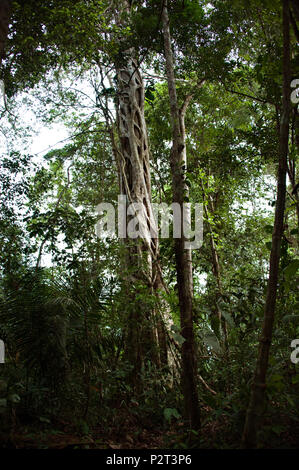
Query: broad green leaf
column 229, row 319
column 171, row 412
column 291, row 270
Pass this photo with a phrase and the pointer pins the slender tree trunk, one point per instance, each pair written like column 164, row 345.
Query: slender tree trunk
column 257, row 399
column 183, row 256
column 222, row 327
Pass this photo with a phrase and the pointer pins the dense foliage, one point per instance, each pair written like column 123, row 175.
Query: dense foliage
column 74, row 309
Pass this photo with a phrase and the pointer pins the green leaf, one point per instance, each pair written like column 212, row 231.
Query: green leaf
column 291, row 270
column 295, row 379
column 229, row 319
column 276, row 382
column 175, row 331
column 290, row 317
column 178, row 338
column 277, row 429
column 171, row 412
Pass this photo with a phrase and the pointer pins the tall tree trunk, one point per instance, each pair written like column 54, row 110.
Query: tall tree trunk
column 146, row 328
column 136, row 186
column 183, row 256
column 257, row 398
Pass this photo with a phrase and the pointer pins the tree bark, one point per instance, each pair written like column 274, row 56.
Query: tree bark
column 147, row 325
column 257, row 398
column 183, row 256
column 136, row 186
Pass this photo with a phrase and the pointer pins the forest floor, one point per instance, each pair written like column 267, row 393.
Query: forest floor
column 97, row 438
column 216, row 434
